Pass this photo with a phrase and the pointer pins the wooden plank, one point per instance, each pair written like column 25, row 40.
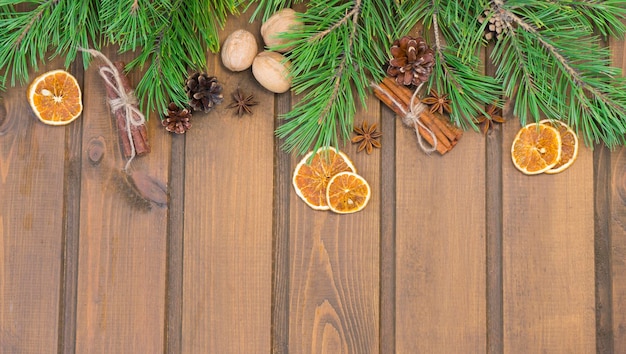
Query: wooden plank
column 616, row 227
column 32, row 171
column 228, row 219
column 122, row 251
column 71, row 229
column 493, row 195
column 617, row 243
column 175, row 246
column 334, row 267
column 388, row 233
column 548, row 260
column 280, row 271
column 602, row 240
column 440, row 223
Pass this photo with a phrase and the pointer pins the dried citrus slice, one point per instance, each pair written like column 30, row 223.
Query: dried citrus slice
column 313, row 172
column 569, row 146
column 536, row 148
column 347, row 193
column 55, row 97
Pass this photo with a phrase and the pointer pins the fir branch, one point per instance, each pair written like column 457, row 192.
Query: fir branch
column 559, row 73
column 169, row 51
column 338, row 51
column 354, row 15
column 53, row 26
column 457, row 71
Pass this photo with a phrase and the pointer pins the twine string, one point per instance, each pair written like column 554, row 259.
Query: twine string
column 411, row 117
column 125, row 100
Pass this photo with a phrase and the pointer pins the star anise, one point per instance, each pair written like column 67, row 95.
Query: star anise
column 242, row 103
column 494, row 115
column 367, row 136
column 438, row 103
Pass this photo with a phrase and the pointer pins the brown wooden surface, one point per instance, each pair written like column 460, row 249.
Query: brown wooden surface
column 454, row 254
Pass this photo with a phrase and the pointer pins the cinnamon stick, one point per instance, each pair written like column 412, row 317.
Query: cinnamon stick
column 139, row 133
column 429, row 139
column 387, row 101
column 430, row 121
column 398, row 98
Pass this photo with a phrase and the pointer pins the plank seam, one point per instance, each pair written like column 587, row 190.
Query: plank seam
column 175, row 248
column 279, row 341
column 387, row 269
column 71, row 229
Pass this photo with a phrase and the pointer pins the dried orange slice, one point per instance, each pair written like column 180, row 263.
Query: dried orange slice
column 569, row 146
column 55, row 97
column 347, row 193
column 536, row 148
column 313, row 172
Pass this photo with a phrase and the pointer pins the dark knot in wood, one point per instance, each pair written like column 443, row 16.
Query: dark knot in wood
column 95, row 150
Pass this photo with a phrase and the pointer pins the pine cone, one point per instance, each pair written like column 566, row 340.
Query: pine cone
column 204, row 92
column 177, row 120
column 412, row 61
column 495, row 27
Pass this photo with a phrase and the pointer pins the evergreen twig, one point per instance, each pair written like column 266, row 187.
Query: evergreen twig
column 30, row 33
column 338, row 50
column 554, row 66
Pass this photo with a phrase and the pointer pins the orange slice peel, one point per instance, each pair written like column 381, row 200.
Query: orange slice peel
column 55, row 97
column 536, row 148
column 347, row 193
column 314, row 171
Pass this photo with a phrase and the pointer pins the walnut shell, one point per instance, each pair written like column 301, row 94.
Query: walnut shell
column 284, row 20
column 268, row 69
column 239, row 50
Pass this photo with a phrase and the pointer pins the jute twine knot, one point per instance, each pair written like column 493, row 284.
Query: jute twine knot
column 411, row 117
column 125, row 100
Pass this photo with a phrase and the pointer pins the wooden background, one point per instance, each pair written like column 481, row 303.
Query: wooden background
column 454, row 254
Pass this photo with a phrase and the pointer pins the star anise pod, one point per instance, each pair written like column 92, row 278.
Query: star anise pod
column 242, row 103
column 438, row 103
column 494, row 115
column 367, row 136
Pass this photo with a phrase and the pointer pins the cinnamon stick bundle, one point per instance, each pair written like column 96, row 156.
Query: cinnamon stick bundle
column 398, row 98
column 138, row 132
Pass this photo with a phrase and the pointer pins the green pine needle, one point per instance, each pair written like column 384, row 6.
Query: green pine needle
column 336, row 55
column 554, row 66
column 34, row 30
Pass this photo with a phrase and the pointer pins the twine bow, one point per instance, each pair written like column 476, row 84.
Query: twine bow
column 411, row 118
column 125, row 100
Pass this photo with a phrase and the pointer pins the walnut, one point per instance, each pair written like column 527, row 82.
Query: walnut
column 284, row 20
column 271, row 70
column 239, row 50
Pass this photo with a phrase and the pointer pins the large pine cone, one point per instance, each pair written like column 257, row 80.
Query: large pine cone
column 203, row 91
column 177, row 120
column 412, row 61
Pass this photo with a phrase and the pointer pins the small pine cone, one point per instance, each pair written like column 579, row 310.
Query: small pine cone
column 495, row 26
column 177, row 120
column 412, row 61
column 203, row 91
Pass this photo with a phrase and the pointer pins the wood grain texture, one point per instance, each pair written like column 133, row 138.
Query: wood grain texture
column 122, row 249
column 334, row 267
column 493, row 220
column 617, row 226
column 281, row 213
column 228, row 219
column 388, row 233
column 71, row 229
column 175, row 246
column 548, row 264
column 440, row 225
column 618, row 248
column 602, row 240
column 31, row 225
